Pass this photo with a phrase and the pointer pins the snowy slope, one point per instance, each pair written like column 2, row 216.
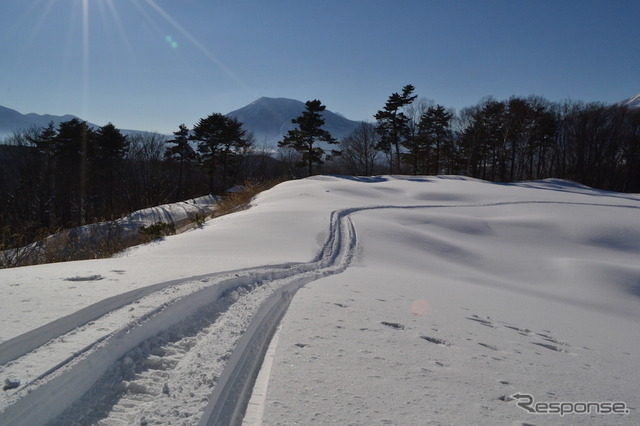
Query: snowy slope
column 426, row 300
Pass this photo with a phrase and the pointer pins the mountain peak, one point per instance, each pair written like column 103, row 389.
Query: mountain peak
column 269, row 119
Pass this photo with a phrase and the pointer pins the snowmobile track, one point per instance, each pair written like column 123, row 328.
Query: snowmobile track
column 45, row 398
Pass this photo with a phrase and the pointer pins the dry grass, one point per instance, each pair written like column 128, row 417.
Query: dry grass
column 237, row 201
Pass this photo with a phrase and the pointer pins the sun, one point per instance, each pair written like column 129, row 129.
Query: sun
column 91, row 26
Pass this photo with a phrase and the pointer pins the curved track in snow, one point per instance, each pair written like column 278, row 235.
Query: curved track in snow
column 93, row 373
column 137, row 360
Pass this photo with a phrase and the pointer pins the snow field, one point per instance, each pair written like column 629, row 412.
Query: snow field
column 450, row 311
column 426, row 300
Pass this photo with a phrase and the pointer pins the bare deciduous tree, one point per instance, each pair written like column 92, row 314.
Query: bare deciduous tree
column 359, row 153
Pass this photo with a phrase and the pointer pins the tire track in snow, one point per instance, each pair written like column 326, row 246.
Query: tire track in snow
column 231, row 396
column 20, row 345
column 43, row 400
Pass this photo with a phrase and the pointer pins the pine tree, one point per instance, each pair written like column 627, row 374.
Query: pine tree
column 45, row 141
column 220, row 139
column 181, row 151
column 111, row 144
column 434, row 131
column 110, row 148
column 74, row 146
column 309, row 131
column 393, row 124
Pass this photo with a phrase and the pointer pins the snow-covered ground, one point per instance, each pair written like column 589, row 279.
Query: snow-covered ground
column 426, row 300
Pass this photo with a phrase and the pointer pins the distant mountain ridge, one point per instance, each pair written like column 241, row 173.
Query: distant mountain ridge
column 269, row 119
column 12, row 121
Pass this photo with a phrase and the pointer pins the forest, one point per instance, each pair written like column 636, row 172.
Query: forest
column 72, row 174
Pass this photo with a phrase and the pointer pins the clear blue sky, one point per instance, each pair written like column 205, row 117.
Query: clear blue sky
column 154, row 64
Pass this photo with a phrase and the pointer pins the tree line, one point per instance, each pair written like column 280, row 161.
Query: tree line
column 72, row 174
column 512, row 140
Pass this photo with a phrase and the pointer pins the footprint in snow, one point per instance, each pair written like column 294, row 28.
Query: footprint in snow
column 393, row 325
column 10, row 384
column 481, row 321
column 486, row 345
column 88, row 278
column 521, row 331
column 550, row 347
column 551, row 339
column 435, row 340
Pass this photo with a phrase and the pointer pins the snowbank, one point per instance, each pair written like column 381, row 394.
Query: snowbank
column 121, row 232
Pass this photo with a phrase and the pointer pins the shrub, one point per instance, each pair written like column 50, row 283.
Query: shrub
column 157, row 230
column 236, row 201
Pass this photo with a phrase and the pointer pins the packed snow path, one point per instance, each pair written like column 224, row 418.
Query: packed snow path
column 113, row 379
column 179, row 342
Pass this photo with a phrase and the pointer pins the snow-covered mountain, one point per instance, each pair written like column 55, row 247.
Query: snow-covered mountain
column 632, row 102
column 269, row 119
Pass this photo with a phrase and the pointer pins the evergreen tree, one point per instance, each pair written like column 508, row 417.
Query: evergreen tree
column 45, row 142
column 309, row 131
column 106, row 169
column 111, row 144
column 434, row 130
column 73, row 147
column 393, row 124
column 181, row 151
column 220, row 139
column 45, row 139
